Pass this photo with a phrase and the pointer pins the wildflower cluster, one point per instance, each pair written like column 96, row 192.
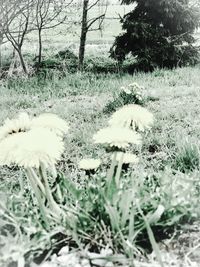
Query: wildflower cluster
column 131, row 94
column 122, row 132
column 132, row 116
column 36, row 144
column 134, row 89
column 89, row 165
column 114, row 199
column 119, row 135
column 31, row 142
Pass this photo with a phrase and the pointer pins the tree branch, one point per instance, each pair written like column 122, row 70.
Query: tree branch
column 94, row 20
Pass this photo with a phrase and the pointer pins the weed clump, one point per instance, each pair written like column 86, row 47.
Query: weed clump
column 187, row 159
column 132, row 94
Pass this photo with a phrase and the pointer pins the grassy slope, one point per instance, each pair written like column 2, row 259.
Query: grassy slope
column 80, row 98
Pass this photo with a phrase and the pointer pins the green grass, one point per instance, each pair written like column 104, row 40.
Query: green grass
column 80, row 99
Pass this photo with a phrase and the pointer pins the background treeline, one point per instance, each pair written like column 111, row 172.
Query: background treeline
column 81, row 34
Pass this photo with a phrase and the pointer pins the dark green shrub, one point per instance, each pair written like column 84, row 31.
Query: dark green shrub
column 63, row 61
column 66, row 54
column 101, row 65
column 159, row 34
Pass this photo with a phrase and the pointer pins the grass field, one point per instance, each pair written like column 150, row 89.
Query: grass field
column 166, row 152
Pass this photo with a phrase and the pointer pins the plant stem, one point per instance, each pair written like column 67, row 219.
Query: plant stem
column 53, row 205
column 53, row 171
column 37, row 179
column 37, row 195
column 21, row 183
column 59, row 193
column 119, row 169
column 112, row 169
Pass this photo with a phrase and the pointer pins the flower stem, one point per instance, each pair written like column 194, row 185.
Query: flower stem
column 112, row 169
column 21, row 183
column 53, row 171
column 119, row 169
column 59, row 193
column 37, row 195
column 37, row 179
column 53, row 205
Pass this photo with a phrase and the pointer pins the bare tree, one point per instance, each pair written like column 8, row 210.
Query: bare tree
column 89, row 24
column 16, row 25
column 1, row 33
column 8, row 11
column 49, row 14
column 19, row 17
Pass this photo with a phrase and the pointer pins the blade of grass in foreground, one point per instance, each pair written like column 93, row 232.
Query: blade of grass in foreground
column 151, row 237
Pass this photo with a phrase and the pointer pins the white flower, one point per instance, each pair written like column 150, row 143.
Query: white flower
column 126, row 158
column 89, row 164
column 31, row 149
column 32, row 143
column 126, row 90
column 51, row 122
column 20, row 124
column 133, row 116
column 39, row 146
column 134, row 85
column 116, row 137
column 8, row 146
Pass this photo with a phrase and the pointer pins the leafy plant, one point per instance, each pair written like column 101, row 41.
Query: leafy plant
column 132, row 94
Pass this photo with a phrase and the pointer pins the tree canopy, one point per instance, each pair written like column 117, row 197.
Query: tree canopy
column 158, row 33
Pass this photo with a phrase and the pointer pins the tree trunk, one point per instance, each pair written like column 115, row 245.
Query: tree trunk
column 1, row 40
column 19, row 51
column 12, row 64
column 84, row 30
column 40, row 48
